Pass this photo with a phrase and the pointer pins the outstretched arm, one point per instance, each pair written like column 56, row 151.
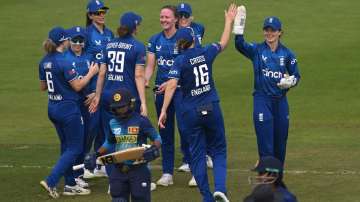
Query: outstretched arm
column 229, row 19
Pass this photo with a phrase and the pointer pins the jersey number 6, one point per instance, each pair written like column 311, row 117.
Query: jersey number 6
column 49, row 82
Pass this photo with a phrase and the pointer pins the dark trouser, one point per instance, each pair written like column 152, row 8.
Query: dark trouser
column 168, row 133
column 130, row 181
column 206, row 133
column 271, row 121
column 68, row 122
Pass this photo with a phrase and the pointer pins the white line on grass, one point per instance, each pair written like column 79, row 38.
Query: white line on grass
column 158, row 167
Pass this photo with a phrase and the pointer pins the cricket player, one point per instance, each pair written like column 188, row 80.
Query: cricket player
column 202, row 116
column 269, row 170
column 121, row 67
column 128, row 129
column 62, row 83
column 186, row 19
column 162, row 51
column 275, row 72
column 80, row 61
column 98, row 35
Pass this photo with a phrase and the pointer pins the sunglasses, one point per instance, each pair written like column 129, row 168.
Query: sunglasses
column 77, row 40
column 184, row 15
column 97, row 13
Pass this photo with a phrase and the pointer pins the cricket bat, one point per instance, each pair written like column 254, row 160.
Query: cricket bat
column 119, row 156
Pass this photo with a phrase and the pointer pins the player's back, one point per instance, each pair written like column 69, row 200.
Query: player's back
column 57, row 73
column 121, row 56
column 196, row 78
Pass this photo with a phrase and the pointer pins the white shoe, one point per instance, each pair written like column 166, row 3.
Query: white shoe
column 75, row 190
column 79, row 181
column 51, row 190
column 220, row 197
column 184, row 168
column 152, row 186
column 108, row 192
column 165, row 180
column 192, row 182
column 100, row 172
column 88, row 174
column 209, row 162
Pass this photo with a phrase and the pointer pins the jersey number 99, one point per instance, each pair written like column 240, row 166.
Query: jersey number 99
column 116, row 61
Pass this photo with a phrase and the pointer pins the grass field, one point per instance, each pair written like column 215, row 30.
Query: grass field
column 323, row 146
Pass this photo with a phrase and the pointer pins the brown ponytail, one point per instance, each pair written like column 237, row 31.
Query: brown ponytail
column 183, row 44
column 123, row 31
column 49, row 46
column 88, row 20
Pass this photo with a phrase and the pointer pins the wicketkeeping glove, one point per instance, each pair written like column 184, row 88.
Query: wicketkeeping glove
column 287, row 82
column 239, row 21
column 151, row 153
column 90, row 161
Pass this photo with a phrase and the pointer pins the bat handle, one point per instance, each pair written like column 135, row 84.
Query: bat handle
column 78, row 167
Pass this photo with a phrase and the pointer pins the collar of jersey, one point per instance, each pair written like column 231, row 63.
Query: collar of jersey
column 92, row 26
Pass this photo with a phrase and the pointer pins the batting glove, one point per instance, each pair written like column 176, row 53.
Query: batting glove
column 90, row 161
column 239, row 22
column 151, row 153
column 287, row 82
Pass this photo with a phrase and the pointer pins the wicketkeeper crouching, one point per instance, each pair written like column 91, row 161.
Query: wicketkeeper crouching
column 128, row 130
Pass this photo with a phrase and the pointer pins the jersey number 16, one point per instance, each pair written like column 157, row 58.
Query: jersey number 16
column 201, row 75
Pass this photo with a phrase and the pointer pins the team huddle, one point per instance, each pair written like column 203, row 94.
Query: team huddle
column 96, row 86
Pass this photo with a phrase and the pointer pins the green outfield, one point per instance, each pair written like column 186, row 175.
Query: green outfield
column 323, row 146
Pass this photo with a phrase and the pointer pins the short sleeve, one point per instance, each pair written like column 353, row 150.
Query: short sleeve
column 151, row 44
column 70, row 73
column 42, row 76
column 140, row 55
column 213, row 50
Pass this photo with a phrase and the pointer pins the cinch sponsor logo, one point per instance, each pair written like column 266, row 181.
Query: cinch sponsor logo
column 271, row 74
column 162, row 61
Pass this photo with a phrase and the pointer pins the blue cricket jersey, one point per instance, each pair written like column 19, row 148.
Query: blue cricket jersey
column 81, row 65
column 286, row 195
column 129, row 133
column 199, row 31
column 57, row 72
column 96, row 41
column 121, row 55
column 269, row 67
column 165, row 51
column 193, row 69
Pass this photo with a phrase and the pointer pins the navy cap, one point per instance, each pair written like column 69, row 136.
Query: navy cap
column 272, row 22
column 184, row 7
column 121, row 98
column 186, row 33
column 130, row 20
column 269, row 164
column 58, row 35
column 76, row 31
column 96, row 5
